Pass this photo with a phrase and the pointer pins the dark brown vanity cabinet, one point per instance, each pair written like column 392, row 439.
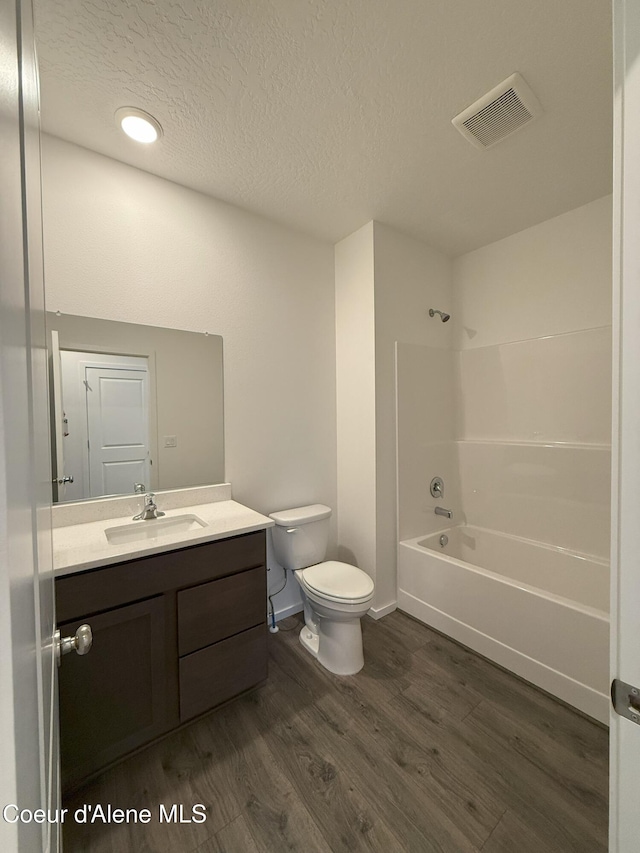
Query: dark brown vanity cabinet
column 174, row 635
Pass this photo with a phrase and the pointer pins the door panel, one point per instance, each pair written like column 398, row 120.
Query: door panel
column 118, row 429
column 58, row 418
column 28, row 718
column 625, row 532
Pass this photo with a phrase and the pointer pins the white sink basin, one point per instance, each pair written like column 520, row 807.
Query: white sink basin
column 153, row 528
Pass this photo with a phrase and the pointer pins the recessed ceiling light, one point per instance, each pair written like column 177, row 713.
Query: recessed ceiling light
column 138, row 125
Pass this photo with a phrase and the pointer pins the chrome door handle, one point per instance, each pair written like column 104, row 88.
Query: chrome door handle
column 80, row 642
column 62, row 480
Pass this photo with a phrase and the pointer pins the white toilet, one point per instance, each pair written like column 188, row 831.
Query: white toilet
column 336, row 595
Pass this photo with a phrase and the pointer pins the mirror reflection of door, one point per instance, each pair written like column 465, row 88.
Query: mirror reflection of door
column 118, row 429
column 106, row 442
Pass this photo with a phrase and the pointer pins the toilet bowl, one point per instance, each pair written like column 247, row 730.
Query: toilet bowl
column 335, row 595
column 332, row 631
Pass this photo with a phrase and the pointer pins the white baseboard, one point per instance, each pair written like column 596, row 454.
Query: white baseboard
column 581, row 696
column 296, row 607
column 379, row 612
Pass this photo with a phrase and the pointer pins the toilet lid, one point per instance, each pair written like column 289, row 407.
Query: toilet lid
column 338, row 580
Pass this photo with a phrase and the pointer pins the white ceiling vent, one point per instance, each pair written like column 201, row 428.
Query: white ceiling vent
column 499, row 113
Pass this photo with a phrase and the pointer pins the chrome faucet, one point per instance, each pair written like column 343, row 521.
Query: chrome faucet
column 150, row 509
column 448, row 513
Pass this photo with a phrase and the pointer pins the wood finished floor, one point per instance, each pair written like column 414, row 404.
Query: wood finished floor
column 429, row 748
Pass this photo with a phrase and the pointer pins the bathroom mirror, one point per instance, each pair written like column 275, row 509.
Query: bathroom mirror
column 133, row 404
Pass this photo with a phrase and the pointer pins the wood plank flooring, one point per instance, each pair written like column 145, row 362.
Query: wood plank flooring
column 430, row 749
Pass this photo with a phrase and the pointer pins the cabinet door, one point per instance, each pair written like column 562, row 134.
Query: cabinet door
column 115, row 698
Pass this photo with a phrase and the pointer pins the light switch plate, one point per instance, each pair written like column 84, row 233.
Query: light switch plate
column 171, row 441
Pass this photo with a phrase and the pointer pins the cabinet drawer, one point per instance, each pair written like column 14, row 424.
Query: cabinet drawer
column 101, row 589
column 216, row 610
column 219, row 672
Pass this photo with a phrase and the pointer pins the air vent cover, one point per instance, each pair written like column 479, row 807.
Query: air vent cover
column 499, row 113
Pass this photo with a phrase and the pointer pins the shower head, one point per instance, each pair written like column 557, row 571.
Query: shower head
column 443, row 317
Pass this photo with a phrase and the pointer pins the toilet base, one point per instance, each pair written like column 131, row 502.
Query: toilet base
column 337, row 646
column 310, row 641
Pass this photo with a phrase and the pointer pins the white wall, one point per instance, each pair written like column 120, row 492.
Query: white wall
column 122, row 244
column 385, row 284
column 533, row 324
column 426, row 445
column 410, row 278
column 547, row 280
column 356, row 402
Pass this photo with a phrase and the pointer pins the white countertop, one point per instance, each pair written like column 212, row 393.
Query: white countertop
column 77, row 547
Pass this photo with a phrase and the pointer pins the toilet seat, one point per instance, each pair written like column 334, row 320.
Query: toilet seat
column 338, row 582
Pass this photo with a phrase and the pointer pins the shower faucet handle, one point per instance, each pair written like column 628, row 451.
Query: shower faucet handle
column 436, row 487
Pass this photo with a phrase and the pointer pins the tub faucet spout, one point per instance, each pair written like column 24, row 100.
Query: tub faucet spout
column 446, row 512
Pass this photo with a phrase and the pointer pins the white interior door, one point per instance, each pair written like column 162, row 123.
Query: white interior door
column 29, row 756
column 625, row 562
column 118, row 429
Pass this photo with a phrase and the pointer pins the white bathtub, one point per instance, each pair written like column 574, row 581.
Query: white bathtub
column 539, row 611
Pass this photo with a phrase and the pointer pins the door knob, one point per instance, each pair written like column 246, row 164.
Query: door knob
column 62, row 480
column 80, row 642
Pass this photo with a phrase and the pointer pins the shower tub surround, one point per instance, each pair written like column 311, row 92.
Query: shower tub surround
column 539, row 611
column 520, row 434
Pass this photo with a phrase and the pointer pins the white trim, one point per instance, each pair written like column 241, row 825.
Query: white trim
column 624, row 816
column 573, row 692
column 28, row 717
column 379, row 612
column 538, row 337
column 291, row 610
column 616, row 820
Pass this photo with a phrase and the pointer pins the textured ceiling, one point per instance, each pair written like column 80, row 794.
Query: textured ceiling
column 324, row 114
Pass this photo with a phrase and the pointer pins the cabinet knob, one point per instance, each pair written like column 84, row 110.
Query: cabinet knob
column 80, row 643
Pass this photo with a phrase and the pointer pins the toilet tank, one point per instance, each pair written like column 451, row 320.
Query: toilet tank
column 300, row 535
